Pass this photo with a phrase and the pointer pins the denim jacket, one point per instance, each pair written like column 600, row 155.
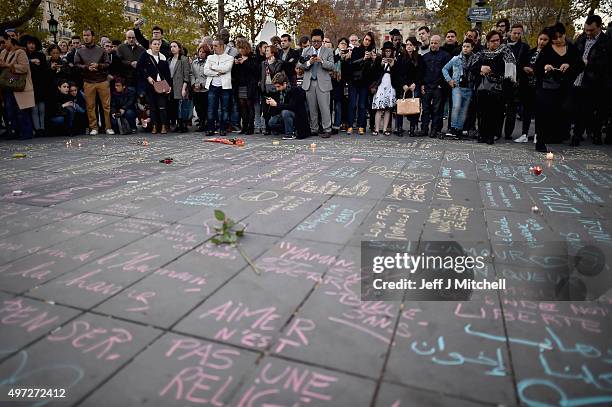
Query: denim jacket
column 456, row 65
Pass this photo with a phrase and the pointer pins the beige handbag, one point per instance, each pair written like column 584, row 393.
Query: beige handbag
column 407, row 107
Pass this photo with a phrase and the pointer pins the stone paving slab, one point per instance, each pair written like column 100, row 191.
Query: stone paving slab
column 111, row 287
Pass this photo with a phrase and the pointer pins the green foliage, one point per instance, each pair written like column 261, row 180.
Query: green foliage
column 105, row 17
column 186, row 21
column 13, row 9
column 452, row 14
column 225, row 234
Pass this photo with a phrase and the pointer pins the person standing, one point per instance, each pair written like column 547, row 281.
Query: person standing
column 340, row 74
column 520, row 51
column 408, row 77
column 450, row 44
column 218, row 71
column 384, row 99
column 557, row 68
column 156, row 34
column 317, row 62
column 503, row 28
column 493, row 67
column 92, row 61
column 592, row 45
column 289, row 56
column 152, row 68
column 180, row 71
column 527, row 87
column 461, row 84
column 198, row 84
column 17, row 104
column 129, row 53
column 39, row 69
column 432, row 88
column 245, row 74
column 423, row 33
column 359, row 60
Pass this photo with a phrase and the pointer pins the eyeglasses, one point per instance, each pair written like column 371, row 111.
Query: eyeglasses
column 316, row 41
column 327, row 42
column 131, row 38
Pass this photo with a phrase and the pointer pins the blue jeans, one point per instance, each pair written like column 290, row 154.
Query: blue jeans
column 130, row 116
column 461, row 102
column 283, row 122
column 38, row 116
column 64, row 121
column 218, row 97
column 358, row 97
column 19, row 120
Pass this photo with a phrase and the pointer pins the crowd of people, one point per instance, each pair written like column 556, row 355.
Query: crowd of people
column 89, row 85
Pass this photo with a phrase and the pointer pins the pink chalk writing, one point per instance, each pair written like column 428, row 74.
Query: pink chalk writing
column 89, row 339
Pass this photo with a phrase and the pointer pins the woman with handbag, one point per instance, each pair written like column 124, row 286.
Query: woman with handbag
column 384, row 99
column 245, row 73
column 556, row 70
column 492, row 67
column 406, row 77
column 17, row 88
column 154, row 76
column 180, row 101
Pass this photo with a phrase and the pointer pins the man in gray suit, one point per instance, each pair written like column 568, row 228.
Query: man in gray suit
column 317, row 62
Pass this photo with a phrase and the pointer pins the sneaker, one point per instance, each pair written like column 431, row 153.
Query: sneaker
column 110, row 132
column 361, row 131
column 93, row 132
column 349, row 131
column 289, row 137
column 522, row 139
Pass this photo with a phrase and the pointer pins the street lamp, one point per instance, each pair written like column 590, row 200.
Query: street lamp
column 52, row 22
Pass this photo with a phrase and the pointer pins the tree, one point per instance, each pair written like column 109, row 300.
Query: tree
column 18, row 13
column 452, row 15
column 337, row 20
column 191, row 28
column 248, row 17
column 105, row 17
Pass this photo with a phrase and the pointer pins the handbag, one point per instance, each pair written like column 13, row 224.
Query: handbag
column 185, row 109
column 489, row 85
column 160, row 86
column 407, row 107
column 12, row 81
column 550, row 82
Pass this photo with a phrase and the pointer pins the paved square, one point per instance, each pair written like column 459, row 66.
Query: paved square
column 111, row 288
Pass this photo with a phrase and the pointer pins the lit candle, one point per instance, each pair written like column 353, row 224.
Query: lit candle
column 549, row 156
column 535, row 209
column 313, row 145
column 275, row 142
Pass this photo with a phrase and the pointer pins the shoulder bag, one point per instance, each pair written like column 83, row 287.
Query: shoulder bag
column 160, row 86
column 12, row 81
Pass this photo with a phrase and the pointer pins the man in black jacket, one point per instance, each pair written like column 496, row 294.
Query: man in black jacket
column 156, row 34
column 129, row 52
column 290, row 110
column 433, row 87
column 289, row 56
column 590, row 86
column 520, row 51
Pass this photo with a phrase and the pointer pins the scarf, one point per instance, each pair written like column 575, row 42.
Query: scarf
column 161, row 56
column 506, row 53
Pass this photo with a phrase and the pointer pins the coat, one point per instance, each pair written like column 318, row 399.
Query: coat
column 247, row 74
column 181, row 75
column 222, row 65
column 295, row 101
column 324, row 67
column 275, row 67
column 25, row 99
column 594, row 76
column 147, row 68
